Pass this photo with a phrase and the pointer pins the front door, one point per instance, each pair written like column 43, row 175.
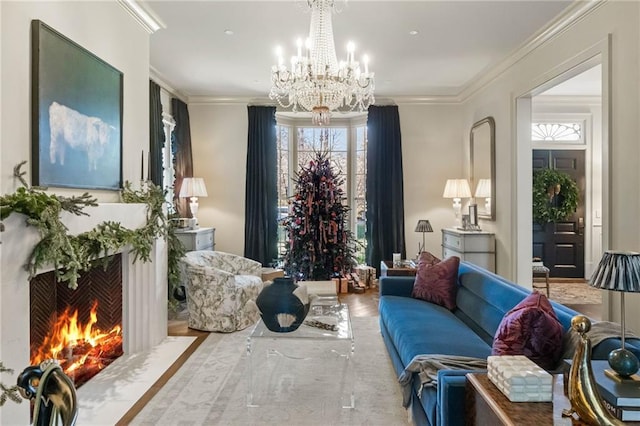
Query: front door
column 561, row 245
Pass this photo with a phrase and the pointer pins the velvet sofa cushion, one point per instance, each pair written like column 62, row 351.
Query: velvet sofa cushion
column 531, row 329
column 436, row 281
column 417, row 327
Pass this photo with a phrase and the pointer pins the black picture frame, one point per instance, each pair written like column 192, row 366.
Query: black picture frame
column 76, row 114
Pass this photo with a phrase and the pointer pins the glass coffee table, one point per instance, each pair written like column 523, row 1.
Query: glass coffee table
column 308, row 366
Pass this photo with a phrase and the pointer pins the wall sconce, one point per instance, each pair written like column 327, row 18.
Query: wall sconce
column 457, row 189
column 193, row 188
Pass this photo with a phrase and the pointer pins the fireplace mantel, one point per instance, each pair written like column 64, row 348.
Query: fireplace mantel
column 144, row 291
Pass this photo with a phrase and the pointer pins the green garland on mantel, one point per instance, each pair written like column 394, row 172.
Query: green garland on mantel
column 555, row 196
column 72, row 254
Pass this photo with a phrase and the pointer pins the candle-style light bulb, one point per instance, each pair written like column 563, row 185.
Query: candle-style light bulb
column 351, row 47
column 299, row 44
column 365, row 61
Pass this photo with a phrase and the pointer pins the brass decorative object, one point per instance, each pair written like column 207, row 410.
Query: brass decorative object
column 583, row 389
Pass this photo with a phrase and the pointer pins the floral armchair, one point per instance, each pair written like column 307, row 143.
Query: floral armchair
column 221, row 290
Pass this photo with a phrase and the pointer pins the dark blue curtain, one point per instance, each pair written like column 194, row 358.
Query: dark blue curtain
column 156, row 134
column 385, row 196
column 261, row 196
column 183, row 158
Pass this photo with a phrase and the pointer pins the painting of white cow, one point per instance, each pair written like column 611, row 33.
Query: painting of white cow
column 70, row 128
column 76, row 121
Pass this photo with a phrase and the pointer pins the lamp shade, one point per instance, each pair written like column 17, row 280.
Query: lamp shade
column 483, row 190
column 457, row 188
column 617, row 271
column 424, row 226
column 193, row 187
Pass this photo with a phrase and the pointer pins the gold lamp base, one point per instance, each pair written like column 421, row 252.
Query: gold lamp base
column 621, row 379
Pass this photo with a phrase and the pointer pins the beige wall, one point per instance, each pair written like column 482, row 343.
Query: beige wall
column 103, row 28
column 219, row 144
column 432, row 149
column 621, row 228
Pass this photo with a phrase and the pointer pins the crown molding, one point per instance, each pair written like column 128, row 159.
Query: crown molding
column 156, row 76
column 571, row 15
column 425, row 100
column 142, row 16
column 227, row 100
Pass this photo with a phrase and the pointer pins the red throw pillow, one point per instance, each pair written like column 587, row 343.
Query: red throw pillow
column 436, row 282
column 531, row 329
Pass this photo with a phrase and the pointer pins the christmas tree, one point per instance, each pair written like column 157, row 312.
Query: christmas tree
column 320, row 245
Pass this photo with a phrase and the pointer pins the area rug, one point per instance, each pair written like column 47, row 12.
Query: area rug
column 574, row 293
column 210, row 389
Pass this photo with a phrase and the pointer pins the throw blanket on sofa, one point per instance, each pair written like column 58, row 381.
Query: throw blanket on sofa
column 427, row 367
column 600, row 330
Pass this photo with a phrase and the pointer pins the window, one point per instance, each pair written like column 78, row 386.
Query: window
column 346, row 144
column 555, row 132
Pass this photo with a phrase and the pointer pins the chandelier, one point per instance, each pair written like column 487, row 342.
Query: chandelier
column 316, row 82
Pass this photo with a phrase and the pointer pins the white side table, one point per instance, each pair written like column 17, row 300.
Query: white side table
column 477, row 247
column 197, row 239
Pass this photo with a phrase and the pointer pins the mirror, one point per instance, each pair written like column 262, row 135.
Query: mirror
column 482, row 169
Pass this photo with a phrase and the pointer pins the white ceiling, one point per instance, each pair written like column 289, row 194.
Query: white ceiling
column 587, row 83
column 456, row 41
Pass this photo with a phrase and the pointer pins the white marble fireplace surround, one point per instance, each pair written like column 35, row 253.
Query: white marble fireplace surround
column 148, row 352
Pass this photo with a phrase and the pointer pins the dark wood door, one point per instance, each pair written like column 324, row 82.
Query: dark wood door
column 561, row 245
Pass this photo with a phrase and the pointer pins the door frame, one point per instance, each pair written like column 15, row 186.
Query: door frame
column 600, row 53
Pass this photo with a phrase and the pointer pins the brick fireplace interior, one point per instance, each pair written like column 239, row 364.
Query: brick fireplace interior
column 50, row 300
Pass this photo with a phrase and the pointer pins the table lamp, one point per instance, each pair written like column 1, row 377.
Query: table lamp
column 619, row 271
column 423, row 226
column 483, row 190
column 457, row 189
column 193, row 188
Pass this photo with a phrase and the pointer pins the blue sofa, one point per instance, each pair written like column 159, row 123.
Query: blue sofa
column 412, row 327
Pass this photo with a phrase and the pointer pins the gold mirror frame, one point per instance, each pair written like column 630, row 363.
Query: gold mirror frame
column 482, row 153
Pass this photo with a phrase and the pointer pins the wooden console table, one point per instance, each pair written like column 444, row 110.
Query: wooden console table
column 486, row 405
column 388, row 270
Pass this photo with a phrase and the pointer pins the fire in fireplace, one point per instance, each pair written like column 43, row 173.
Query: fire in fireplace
column 82, row 349
column 80, row 328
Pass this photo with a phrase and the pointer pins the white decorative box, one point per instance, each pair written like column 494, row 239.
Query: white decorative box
column 520, row 379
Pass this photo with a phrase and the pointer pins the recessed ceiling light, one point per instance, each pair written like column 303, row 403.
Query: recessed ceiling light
column 413, row 32
column 228, row 32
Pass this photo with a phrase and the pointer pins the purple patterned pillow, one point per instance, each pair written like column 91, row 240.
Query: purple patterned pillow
column 427, row 259
column 437, row 283
column 531, row 329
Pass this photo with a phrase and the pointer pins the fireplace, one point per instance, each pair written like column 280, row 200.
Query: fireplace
column 148, row 352
column 81, row 328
